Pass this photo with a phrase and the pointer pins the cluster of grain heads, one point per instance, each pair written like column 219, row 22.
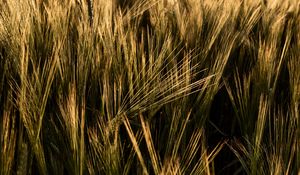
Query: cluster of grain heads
column 147, row 88
column 275, row 124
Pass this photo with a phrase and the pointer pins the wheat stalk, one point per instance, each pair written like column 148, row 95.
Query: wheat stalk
column 91, row 11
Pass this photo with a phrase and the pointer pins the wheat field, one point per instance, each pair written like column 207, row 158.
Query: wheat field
column 158, row 87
